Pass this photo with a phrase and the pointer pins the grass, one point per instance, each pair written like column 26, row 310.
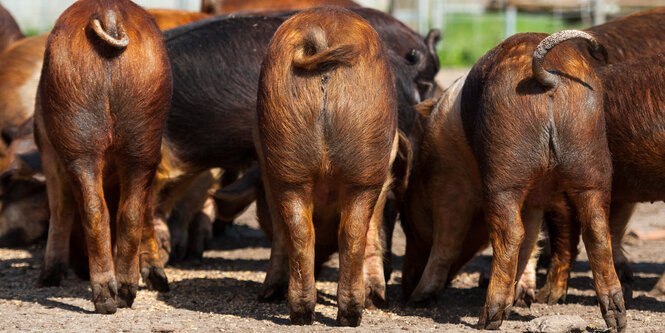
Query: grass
column 467, row 37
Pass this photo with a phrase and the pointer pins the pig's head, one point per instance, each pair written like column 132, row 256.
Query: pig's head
column 24, row 213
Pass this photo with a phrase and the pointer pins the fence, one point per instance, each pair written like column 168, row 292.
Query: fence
column 36, row 16
column 470, row 27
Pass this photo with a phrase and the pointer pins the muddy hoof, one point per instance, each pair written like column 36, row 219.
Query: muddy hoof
column 51, row 276
column 659, row 289
column 551, row 295
column 421, row 299
column 163, row 238
column 272, row 294
column 126, row 295
column 155, row 278
column 493, row 316
column 524, row 296
column 614, row 312
column 302, row 318
column 104, row 295
column 375, row 294
column 349, row 318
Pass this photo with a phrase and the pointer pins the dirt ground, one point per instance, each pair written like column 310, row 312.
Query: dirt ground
column 219, row 292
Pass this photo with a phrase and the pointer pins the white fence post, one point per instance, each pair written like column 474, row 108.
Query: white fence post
column 511, row 20
column 599, row 12
column 423, row 16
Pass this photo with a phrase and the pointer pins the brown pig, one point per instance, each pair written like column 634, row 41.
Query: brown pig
column 520, row 168
column 325, row 148
column 534, row 144
column 443, row 215
column 20, row 68
column 633, row 110
column 171, row 18
column 229, row 6
column 102, row 102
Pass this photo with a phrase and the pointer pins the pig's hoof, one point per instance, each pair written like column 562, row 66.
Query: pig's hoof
column 52, row 275
column 305, row 317
column 104, row 295
column 155, row 278
column 550, row 294
column 272, row 293
column 625, row 274
column 375, row 296
column 127, row 294
column 349, row 318
column 614, row 311
column 659, row 289
column 420, row 299
column 163, row 238
column 524, row 295
column 492, row 316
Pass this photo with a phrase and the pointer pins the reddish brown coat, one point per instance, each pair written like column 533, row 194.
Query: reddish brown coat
column 327, row 122
column 102, row 103
column 229, row 6
column 437, row 203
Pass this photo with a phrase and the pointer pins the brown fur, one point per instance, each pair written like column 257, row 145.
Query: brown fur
column 325, row 149
column 20, row 68
column 102, row 103
column 557, row 146
column 632, row 36
column 21, row 64
column 633, row 104
column 548, row 162
column 229, row 6
column 170, row 18
column 437, row 202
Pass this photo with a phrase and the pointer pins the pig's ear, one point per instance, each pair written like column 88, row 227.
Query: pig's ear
column 230, row 204
column 9, row 133
column 232, row 200
column 31, row 162
column 433, row 38
column 426, row 107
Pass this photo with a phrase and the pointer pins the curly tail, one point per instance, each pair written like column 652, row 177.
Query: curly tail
column 112, row 31
column 546, row 78
column 315, row 54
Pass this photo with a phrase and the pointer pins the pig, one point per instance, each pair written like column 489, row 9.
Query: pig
column 102, row 103
column 444, row 228
column 20, row 68
column 217, row 7
column 170, row 18
column 479, row 129
column 189, row 146
column 556, row 146
column 202, row 106
column 325, row 148
column 630, row 114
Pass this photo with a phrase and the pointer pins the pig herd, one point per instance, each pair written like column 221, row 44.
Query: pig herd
column 123, row 144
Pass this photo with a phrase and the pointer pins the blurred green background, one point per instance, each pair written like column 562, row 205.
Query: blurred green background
column 468, row 37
